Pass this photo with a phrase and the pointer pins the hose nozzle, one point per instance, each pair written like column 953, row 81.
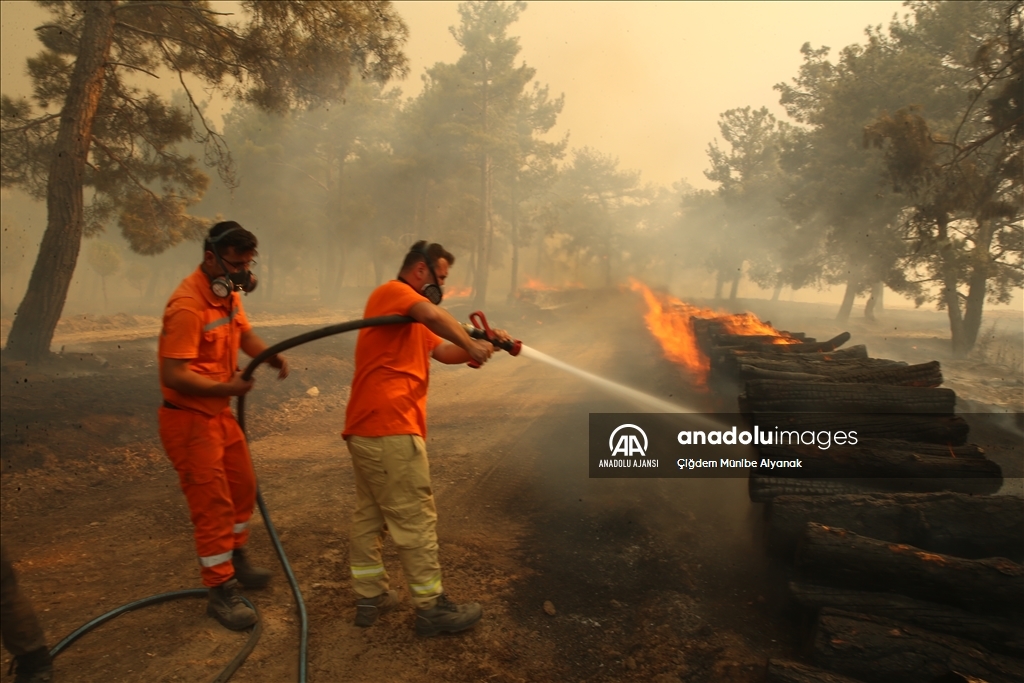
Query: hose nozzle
column 481, row 330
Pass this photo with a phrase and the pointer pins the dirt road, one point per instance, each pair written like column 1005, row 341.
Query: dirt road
column 649, row 579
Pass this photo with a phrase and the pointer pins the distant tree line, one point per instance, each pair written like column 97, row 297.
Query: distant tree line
column 900, row 167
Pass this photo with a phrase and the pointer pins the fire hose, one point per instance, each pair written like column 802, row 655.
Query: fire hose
column 478, row 330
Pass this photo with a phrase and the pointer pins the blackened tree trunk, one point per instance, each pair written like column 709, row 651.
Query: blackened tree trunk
column 48, row 286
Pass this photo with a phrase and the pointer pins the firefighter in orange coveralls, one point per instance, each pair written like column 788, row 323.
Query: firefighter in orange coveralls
column 204, row 326
column 385, row 427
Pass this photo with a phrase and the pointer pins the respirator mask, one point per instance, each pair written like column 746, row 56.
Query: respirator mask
column 431, row 290
column 223, row 285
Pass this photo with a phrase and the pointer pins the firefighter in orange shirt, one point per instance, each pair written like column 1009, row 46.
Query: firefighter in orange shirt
column 204, row 326
column 385, row 427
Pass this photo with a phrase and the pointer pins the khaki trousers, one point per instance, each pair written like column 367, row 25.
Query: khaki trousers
column 393, row 495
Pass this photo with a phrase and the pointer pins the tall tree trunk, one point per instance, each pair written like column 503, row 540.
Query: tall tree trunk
column 339, row 273
column 951, row 295
column 875, row 304
column 326, row 270
column 977, row 284
column 848, row 298
column 37, row 316
column 735, row 288
column 514, row 280
column 483, row 262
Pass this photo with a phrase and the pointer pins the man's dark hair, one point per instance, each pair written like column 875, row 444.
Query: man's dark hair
column 229, row 234
column 421, row 251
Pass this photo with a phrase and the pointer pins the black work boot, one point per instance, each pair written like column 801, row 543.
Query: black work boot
column 226, row 606
column 368, row 609
column 33, row 667
column 248, row 575
column 446, row 617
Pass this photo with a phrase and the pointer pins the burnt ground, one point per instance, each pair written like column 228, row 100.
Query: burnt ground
column 650, row 579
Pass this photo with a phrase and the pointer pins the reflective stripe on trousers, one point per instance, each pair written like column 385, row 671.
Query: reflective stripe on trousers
column 215, row 472
column 393, row 496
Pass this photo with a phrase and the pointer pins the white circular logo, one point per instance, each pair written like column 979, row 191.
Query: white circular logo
column 627, row 443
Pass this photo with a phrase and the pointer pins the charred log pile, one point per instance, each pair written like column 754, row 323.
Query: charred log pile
column 906, row 564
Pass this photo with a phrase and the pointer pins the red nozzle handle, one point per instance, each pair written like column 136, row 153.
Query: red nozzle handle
column 479, row 321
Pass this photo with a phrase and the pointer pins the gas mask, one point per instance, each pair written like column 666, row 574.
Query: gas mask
column 431, row 290
column 223, row 285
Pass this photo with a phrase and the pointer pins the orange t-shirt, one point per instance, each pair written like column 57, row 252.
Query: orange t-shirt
column 200, row 326
column 389, row 389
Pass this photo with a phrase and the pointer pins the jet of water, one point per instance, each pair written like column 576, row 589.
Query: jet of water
column 652, row 403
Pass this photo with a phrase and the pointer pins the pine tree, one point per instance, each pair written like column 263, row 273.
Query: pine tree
column 91, row 126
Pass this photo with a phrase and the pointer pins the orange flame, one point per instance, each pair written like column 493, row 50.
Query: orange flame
column 457, row 292
column 748, row 323
column 540, row 286
column 671, row 322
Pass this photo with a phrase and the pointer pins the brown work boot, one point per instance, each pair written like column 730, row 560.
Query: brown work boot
column 446, row 617
column 226, row 606
column 368, row 609
column 248, row 575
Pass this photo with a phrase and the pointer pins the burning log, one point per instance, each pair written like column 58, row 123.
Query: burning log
column 773, row 395
column 841, row 558
column 936, row 429
column 857, row 462
column 900, row 652
column 922, row 375
column 951, row 523
column 856, row 352
column 781, row 671
column 727, row 361
column 757, row 340
column 813, row 347
column 813, row 364
column 753, row 372
column 997, row 634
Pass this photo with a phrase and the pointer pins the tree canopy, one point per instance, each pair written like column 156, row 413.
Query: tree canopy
column 89, row 124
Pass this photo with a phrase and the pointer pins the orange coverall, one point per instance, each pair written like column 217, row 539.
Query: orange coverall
column 200, row 434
